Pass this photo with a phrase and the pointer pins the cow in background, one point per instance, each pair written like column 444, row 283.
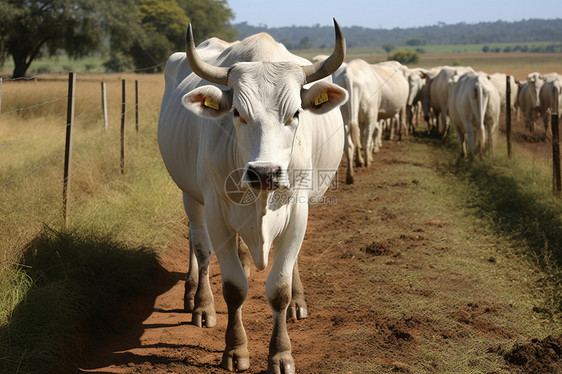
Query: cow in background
column 550, row 100
column 474, row 109
column 500, row 81
column 528, row 99
column 376, row 92
column 439, row 94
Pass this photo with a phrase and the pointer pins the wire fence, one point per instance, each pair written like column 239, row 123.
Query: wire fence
column 10, row 179
column 30, row 173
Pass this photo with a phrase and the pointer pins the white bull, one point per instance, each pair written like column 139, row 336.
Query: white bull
column 376, row 91
column 474, row 109
column 256, row 146
column 550, row 99
column 500, row 81
column 416, row 83
column 528, row 99
column 428, row 113
column 439, row 94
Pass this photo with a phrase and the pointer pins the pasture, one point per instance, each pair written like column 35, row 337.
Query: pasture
column 421, row 266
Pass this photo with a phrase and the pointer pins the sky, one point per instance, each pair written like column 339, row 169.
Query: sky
column 389, row 14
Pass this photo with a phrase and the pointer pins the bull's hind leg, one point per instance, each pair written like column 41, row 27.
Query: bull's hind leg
column 198, row 296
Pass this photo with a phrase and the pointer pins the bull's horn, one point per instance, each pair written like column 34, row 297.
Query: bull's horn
column 328, row 66
column 214, row 74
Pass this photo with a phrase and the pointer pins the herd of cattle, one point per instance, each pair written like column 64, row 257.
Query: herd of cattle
column 469, row 99
column 252, row 112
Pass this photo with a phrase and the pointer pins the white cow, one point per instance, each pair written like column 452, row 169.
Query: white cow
column 550, row 99
column 376, row 91
column 252, row 142
column 474, row 109
column 439, row 93
column 500, row 81
column 416, row 83
column 528, row 99
column 428, row 114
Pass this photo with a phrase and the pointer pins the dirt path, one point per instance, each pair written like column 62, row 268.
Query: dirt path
column 385, row 290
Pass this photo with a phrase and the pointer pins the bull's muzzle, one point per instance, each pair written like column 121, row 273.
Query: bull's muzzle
column 264, row 176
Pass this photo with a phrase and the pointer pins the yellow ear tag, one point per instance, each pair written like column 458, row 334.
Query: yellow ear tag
column 211, row 103
column 321, row 99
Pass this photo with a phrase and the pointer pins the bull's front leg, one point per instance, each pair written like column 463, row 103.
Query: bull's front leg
column 191, row 281
column 198, row 297
column 234, row 289
column 278, row 291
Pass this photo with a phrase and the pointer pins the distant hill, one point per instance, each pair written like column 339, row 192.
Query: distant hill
column 301, row 37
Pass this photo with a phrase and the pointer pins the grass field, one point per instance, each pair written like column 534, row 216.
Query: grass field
column 517, row 64
column 128, row 220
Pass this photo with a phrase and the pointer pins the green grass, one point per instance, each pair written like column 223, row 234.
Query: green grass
column 512, row 200
column 498, row 249
column 73, row 281
column 55, row 281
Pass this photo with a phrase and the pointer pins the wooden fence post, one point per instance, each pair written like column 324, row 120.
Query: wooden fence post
column 137, row 105
column 508, row 114
column 104, row 105
column 557, row 183
column 123, row 127
column 68, row 146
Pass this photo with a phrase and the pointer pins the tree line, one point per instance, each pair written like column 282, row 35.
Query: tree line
column 531, row 30
column 137, row 34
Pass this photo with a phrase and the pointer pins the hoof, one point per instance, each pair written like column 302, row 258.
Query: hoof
column 297, row 311
column 236, row 359
column 202, row 317
column 281, row 363
column 349, row 179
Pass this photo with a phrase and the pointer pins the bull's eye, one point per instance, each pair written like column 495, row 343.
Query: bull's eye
column 236, row 114
column 294, row 119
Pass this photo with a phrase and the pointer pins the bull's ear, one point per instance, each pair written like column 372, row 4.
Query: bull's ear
column 208, row 101
column 322, row 97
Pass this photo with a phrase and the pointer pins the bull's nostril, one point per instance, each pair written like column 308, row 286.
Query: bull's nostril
column 264, row 177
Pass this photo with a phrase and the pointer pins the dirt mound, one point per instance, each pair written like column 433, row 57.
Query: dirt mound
column 538, row 356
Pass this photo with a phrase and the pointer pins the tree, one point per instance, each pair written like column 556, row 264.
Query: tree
column 405, row 57
column 164, row 24
column 416, row 42
column 31, row 28
column 387, row 48
column 209, row 18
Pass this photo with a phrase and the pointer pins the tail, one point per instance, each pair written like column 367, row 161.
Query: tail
column 351, row 115
column 557, row 98
column 482, row 104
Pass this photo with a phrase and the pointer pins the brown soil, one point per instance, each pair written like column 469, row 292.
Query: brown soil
column 153, row 334
column 537, row 356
